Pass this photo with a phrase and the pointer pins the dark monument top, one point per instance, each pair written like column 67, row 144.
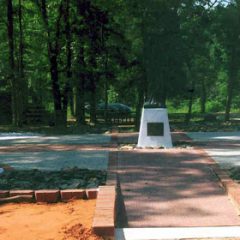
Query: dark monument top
column 154, row 105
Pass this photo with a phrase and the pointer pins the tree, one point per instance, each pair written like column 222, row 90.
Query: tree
column 16, row 88
column 228, row 32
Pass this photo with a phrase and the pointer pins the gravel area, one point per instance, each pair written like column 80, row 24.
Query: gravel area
column 65, row 179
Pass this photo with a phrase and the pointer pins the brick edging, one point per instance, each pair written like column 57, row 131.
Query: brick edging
column 47, row 196
column 104, row 217
column 105, row 211
column 112, row 168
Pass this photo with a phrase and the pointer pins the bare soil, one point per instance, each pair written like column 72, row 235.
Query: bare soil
column 61, row 221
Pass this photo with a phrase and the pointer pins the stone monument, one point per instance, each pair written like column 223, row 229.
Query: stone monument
column 154, row 128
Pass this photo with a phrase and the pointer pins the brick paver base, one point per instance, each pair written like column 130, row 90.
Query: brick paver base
column 172, row 188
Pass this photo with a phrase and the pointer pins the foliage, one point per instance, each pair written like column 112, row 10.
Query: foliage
column 67, row 54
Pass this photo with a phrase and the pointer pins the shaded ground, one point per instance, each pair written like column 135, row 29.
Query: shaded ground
column 65, row 221
column 171, row 188
column 72, row 178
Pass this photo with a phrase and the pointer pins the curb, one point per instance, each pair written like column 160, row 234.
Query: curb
column 112, row 168
column 104, row 217
column 46, row 196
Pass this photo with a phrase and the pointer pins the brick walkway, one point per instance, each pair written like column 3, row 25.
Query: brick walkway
column 171, row 188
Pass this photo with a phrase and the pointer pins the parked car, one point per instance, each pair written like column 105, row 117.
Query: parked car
column 115, row 107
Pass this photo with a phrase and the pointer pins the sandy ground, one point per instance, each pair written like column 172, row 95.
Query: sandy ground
column 61, row 221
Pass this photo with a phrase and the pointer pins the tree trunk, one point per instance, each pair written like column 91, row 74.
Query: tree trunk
column 92, row 89
column 53, row 52
column 163, row 99
column 23, row 94
column 106, row 99
column 190, row 102
column 140, row 104
column 80, row 83
column 92, row 80
column 229, row 102
column 106, row 85
column 68, row 60
column 72, row 102
column 93, row 118
column 16, row 120
column 59, row 115
column 203, row 96
column 230, row 85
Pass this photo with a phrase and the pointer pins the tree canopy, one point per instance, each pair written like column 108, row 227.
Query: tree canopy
column 66, row 55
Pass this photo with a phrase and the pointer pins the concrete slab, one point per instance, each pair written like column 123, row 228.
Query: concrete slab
column 226, row 158
column 223, row 147
column 56, row 160
column 214, row 136
column 177, row 233
column 172, row 188
column 32, row 138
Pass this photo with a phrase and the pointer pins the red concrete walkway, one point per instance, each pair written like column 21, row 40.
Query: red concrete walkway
column 171, row 188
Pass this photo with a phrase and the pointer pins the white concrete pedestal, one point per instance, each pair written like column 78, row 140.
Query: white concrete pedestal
column 154, row 116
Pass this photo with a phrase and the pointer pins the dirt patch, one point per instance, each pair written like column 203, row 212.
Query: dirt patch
column 62, row 221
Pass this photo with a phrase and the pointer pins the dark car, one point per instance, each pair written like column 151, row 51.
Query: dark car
column 115, row 107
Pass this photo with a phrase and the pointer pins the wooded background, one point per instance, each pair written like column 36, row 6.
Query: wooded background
column 67, row 56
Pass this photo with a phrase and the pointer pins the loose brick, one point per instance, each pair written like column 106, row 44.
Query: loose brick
column 92, row 193
column 49, row 196
column 13, row 193
column 69, row 194
column 4, row 193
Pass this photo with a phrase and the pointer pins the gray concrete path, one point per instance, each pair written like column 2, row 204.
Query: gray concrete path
column 56, row 160
column 214, row 136
column 34, row 138
column 52, row 153
column 171, row 188
column 223, row 147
